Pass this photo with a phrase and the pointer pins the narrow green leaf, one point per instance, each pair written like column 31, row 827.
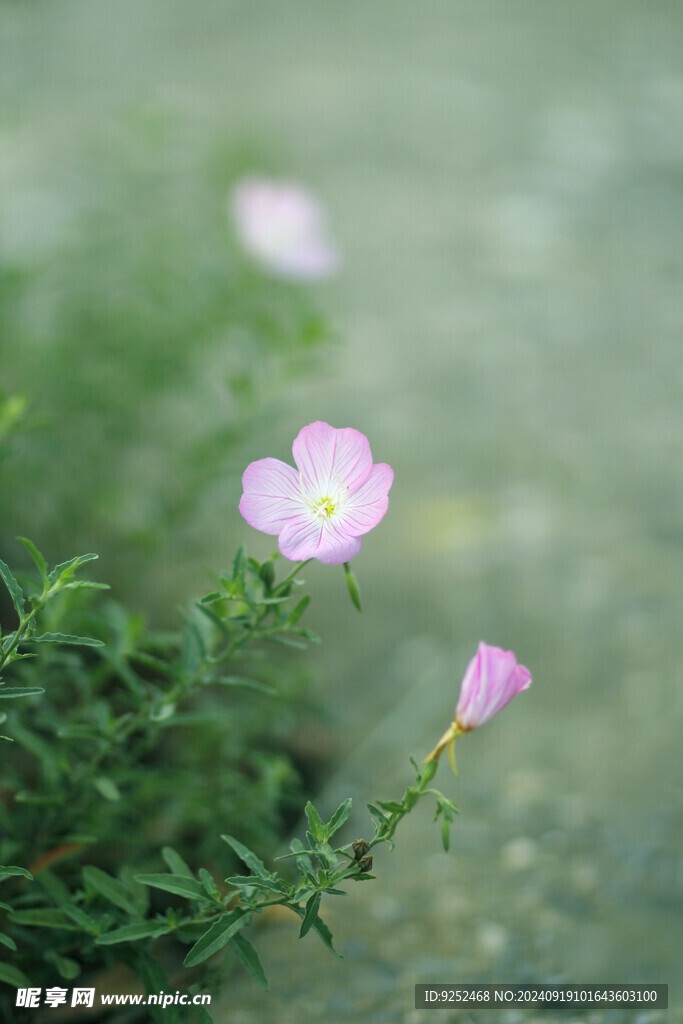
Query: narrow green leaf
column 20, row 691
column 238, row 561
column 218, row 936
column 392, row 806
column 250, row 859
column 65, row 569
column 64, row 638
column 241, row 682
column 12, row 871
column 108, row 789
column 24, row 796
column 246, row 952
column 298, row 610
column 315, row 821
column 85, row 585
column 188, row 887
column 36, row 556
column 111, row 888
column 79, row 917
column 67, row 967
column 13, row 976
column 287, row 641
column 15, row 590
column 175, row 862
column 135, row 932
column 53, row 886
column 276, row 885
column 339, row 817
column 154, row 980
column 320, row 927
column 150, row 661
column 210, row 887
column 44, row 917
column 6, row 941
column 267, row 574
column 310, row 914
column 194, row 651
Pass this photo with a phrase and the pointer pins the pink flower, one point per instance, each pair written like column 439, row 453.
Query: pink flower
column 491, row 680
column 283, row 228
column 322, row 508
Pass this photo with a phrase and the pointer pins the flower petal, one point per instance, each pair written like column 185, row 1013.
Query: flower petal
column 271, row 495
column 365, row 508
column 331, row 460
column 307, row 536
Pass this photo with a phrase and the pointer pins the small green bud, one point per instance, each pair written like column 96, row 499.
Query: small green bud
column 352, row 586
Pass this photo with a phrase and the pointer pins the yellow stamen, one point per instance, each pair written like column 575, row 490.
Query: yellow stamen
column 324, row 508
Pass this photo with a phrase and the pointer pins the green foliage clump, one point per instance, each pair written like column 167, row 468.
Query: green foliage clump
column 94, row 774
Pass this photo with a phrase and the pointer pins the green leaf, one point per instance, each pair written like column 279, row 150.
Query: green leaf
column 6, row 941
column 241, row 682
column 287, row 641
column 79, row 917
column 20, row 691
column 392, row 806
column 12, row 871
column 277, row 885
column 218, row 936
column 154, row 980
column 64, row 638
column 315, row 821
column 320, row 927
column 85, row 585
column 135, row 932
column 44, row 917
column 111, row 888
column 36, row 556
column 352, row 587
column 15, row 590
column 210, row 887
column 238, row 562
column 13, row 976
column 194, row 651
column 310, row 914
column 108, row 789
column 67, row 967
column 66, row 569
column 250, row 859
column 175, row 862
column 53, row 886
column 339, row 817
column 188, row 887
column 246, row 952
column 267, row 574
column 298, row 610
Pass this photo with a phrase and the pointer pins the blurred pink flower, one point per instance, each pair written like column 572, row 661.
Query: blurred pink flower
column 283, row 228
column 493, row 677
column 322, row 508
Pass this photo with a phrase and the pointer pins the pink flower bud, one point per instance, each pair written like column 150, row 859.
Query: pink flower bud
column 492, row 679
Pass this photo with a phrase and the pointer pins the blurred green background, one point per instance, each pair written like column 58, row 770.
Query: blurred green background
column 505, row 182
